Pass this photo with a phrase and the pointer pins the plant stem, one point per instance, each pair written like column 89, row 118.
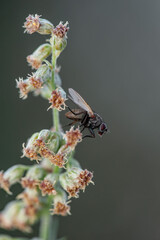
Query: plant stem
column 49, row 224
column 44, row 227
column 54, row 223
column 55, row 111
column 49, row 227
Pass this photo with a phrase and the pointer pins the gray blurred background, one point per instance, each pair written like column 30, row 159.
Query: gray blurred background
column 113, row 60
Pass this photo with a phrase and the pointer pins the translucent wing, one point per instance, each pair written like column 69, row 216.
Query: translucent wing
column 76, row 114
column 77, row 99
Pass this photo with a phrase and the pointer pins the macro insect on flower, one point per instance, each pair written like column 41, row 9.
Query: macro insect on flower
column 85, row 115
column 55, row 175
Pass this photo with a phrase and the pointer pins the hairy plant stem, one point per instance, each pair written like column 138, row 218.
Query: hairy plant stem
column 55, row 111
column 49, row 224
column 44, row 226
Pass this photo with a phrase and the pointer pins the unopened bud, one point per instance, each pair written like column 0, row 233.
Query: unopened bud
column 51, row 139
column 33, row 177
column 35, row 172
column 73, row 163
column 37, row 57
column 11, row 176
column 43, row 72
column 74, row 180
column 37, row 24
column 9, row 214
column 30, row 151
column 14, row 217
column 60, row 43
column 46, row 164
column 61, row 206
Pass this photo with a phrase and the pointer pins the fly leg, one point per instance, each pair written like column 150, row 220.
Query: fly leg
column 76, row 114
column 70, row 124
column 90, row 136
column 82, row 128
column 83, row 122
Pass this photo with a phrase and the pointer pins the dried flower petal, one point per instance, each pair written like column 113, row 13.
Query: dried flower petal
column 34, row 62
column 30, row 153
column 85, row 177
column 59, row 159
column 74, row 180
column 29, row 197
column 32, row 24
column 73, row 191
column 47, row 188
column 73, row 137
column 29, row 183
column 61, row 209
column 23, row 88
column 61, row 29
column 57, row 101
column 35, row 82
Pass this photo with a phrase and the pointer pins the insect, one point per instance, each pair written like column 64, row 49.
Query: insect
column 87, row 118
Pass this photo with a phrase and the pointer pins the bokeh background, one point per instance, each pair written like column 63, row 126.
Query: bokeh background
column 113, row 60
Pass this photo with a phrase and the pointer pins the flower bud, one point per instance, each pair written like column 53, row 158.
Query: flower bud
column 37, row 57
column 24, row 87
column 57, row 100
column 46, row 164
column 47, row 185
column 43, row 72
column 60, row 204
column 73, row 163
column 9, row 214
column 31, row 202
column 35, row 82
column 35, row 172
column 60, row 43
column 14, row 217
column 37, row 24
column 30, row 151
column 29, row 196
column 73, row 136
column 44, row 135
column 11, row 176
column 61, row 30
column 74, row 180
column 33, row 177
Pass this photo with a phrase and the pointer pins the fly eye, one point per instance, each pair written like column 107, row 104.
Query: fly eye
column 103, row 127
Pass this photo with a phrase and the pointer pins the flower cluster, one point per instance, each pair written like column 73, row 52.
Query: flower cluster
column 55, row 175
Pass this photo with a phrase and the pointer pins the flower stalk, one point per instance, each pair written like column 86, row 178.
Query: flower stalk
column 55, row 175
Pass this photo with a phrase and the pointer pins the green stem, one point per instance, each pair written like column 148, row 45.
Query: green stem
column 44, row 227
column 55, row 111
column 49, row 224
column 49, row 227
column 54, row 228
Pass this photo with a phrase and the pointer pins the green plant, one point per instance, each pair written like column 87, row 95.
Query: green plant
column 56, row 176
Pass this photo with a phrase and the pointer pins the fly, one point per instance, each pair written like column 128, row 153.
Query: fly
column 85, row 115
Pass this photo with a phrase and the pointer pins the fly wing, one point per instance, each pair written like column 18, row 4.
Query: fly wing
column 76, row 114
column 77, row 99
